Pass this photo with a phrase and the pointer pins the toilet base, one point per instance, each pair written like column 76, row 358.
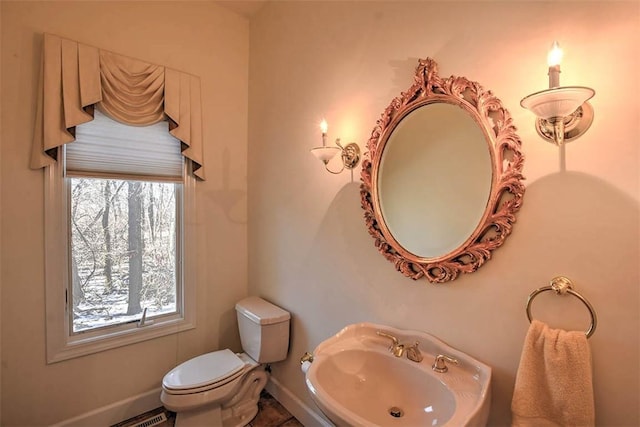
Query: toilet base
column 207, row 416
column 238, row 411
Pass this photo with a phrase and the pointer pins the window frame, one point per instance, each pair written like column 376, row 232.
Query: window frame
column 61, row 343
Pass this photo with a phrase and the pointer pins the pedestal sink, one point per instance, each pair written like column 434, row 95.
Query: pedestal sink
column 356, row 380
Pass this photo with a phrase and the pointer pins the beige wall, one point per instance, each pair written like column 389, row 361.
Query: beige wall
column 309, row 250
column 196, row 37
column 0, row 218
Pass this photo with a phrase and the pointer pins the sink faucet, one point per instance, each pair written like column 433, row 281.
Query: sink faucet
column 413, row 353
column 398, row 350
column 440, row 363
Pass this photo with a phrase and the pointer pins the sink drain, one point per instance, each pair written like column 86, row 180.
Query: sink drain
column 396, row 412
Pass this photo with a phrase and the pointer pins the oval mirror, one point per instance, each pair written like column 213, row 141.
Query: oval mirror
column 442, row 179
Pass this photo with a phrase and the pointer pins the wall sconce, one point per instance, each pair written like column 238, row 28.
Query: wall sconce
column 350, row 153
column 563, row 112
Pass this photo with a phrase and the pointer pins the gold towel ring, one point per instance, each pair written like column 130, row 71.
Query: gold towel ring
column 561, row 286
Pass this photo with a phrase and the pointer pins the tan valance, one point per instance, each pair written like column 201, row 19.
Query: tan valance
column 77, row 78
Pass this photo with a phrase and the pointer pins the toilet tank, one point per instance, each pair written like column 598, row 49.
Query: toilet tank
column 264, row 329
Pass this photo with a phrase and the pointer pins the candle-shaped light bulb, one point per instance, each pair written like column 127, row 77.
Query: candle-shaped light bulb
column 323, row 128
column 554, row 57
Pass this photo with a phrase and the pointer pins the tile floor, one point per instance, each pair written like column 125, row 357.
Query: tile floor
column 270, row 414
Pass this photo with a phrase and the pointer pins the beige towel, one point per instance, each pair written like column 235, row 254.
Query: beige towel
column 554, row 383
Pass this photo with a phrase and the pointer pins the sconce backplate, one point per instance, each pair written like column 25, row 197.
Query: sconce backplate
column 351, row 155
column 574, row 125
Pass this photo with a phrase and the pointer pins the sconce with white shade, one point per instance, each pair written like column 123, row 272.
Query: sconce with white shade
column 350, row 153
column 563, row 111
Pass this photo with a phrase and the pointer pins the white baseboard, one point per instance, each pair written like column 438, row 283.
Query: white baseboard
column 116, row 412
column 136, row 405
column 307, row 416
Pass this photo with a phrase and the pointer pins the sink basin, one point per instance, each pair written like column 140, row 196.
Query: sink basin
column 356, row 381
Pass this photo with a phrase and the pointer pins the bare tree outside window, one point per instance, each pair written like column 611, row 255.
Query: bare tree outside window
column 123, row 250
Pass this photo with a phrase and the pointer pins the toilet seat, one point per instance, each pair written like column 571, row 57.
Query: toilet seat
column 204, row 372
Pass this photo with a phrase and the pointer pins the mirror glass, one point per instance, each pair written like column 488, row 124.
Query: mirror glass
column 442, row 177
column 435, row 170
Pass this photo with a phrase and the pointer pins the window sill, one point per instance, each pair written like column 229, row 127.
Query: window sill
column 81, row 345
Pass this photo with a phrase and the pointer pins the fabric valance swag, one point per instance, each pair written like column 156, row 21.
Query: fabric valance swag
column 78, row 77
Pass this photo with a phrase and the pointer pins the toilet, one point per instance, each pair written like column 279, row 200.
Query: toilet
column 222, row 388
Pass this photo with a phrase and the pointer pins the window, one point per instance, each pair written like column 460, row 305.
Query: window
column 123, row 251
column 116, row 239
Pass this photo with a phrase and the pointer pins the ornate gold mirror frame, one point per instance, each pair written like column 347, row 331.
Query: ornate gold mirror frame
column 505, row 195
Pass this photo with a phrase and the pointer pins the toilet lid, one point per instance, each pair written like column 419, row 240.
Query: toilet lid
column 203, row 370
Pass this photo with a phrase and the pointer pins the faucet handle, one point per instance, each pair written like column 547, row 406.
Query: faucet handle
column 391, row 337
column 413, row 353
column 440, row 366
column 396, row 348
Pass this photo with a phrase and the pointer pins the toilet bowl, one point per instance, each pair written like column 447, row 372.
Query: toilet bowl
column 222, row 388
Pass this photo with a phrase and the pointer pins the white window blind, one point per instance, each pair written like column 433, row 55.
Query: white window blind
column 107, row 148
